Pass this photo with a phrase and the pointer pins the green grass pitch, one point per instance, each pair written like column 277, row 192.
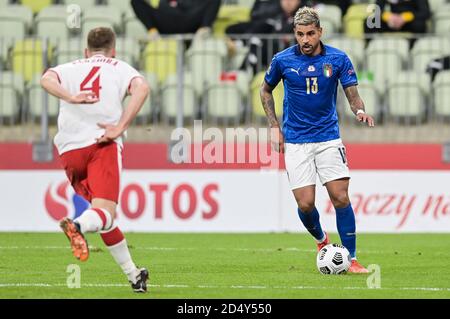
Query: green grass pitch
column 34, row 265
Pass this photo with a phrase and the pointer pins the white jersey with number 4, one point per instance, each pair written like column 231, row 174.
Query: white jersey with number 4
column 110, row 80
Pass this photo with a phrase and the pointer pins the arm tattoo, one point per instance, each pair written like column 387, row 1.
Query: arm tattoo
column 355, row 101
column 268, row 104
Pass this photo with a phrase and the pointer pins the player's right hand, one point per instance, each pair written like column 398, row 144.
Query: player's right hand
column 84, row 98
column 277, row 139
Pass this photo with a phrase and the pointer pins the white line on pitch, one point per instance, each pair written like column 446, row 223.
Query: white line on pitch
column 288, row 249
column 9, row 285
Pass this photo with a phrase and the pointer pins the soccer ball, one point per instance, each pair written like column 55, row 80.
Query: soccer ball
column 333, row 259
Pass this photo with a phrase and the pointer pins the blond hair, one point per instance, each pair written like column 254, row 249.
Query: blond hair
column 307, row 16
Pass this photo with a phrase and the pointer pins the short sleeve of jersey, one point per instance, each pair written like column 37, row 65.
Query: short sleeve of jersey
column 347, row 75
column 273, row 74
column 128, row 73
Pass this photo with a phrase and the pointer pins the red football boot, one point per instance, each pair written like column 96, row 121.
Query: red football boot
column 357, row 268
column 324, row 243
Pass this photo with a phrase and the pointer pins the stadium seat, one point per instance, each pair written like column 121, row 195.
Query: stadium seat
column 82, row 3
column 154, row 3
column 436, row 5
column 10, row 31
column 9, row 78
column 441, row 88
column 389, row 44
column 206, row 62
column 229, row 15
column 127, row 50
column 278, row 96
column 102, row 15
column 354, row 20
column 246, row 3
column 36, row 5
column 383, row 66
column 353, row 47
column 9, row 104
column 223, row 102
column 135, row 29
column 369, row 95
column 51, row 23
column 407, row 95
column 121, row 5
column 70, row 50
column 54, row 31
column 160, row 58
column 11, row 91
column 385, row 58
column 15, row 21
column 28, row 58
column 17, row 12
column 441, row 20
column 36, row 96
column 428, row 48
column 170, row 98
column 330, row 19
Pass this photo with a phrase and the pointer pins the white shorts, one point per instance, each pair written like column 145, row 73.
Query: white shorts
column 304, row 161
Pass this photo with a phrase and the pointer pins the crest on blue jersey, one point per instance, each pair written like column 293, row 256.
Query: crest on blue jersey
column 327, row 70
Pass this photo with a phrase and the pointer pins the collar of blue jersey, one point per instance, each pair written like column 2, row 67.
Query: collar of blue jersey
column 322, row 52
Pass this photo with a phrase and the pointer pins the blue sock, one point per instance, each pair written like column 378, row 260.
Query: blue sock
column 345, row 220
column 312, row 223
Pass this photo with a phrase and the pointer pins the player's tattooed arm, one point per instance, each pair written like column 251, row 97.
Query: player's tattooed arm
column 355, row 101
column 276, row 136
column 357, row 105
column 269, row 104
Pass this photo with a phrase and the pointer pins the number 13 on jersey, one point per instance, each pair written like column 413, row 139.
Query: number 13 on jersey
column 92, row 82
column 312, row 86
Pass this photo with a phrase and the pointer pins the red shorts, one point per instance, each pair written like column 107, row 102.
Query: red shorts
column 94, row 171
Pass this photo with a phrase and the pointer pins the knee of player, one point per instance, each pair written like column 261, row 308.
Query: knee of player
column 305, row 207
column 340, row 200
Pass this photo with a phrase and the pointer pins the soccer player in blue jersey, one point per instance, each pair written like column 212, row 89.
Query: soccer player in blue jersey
column 310, row 137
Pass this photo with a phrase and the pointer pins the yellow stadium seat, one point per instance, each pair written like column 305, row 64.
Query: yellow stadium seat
column 36, row 5
column 228, row 15
column 278, row 96
column 28, row 58
column 354, row 20
column 154, row 3
column 160, row 58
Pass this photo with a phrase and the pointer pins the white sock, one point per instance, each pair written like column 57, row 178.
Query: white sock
column 117, row 246
column 93, row 220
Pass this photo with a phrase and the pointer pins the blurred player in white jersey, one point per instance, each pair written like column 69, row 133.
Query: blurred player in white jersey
column 91, row 123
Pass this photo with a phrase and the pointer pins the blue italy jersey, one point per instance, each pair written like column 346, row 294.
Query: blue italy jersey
column 310, row 90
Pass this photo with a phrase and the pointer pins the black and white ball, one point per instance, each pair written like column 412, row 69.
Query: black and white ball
column 333, row 259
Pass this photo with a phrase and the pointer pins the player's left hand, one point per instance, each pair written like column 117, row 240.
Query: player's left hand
column 362, row 117
column 111, row 133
